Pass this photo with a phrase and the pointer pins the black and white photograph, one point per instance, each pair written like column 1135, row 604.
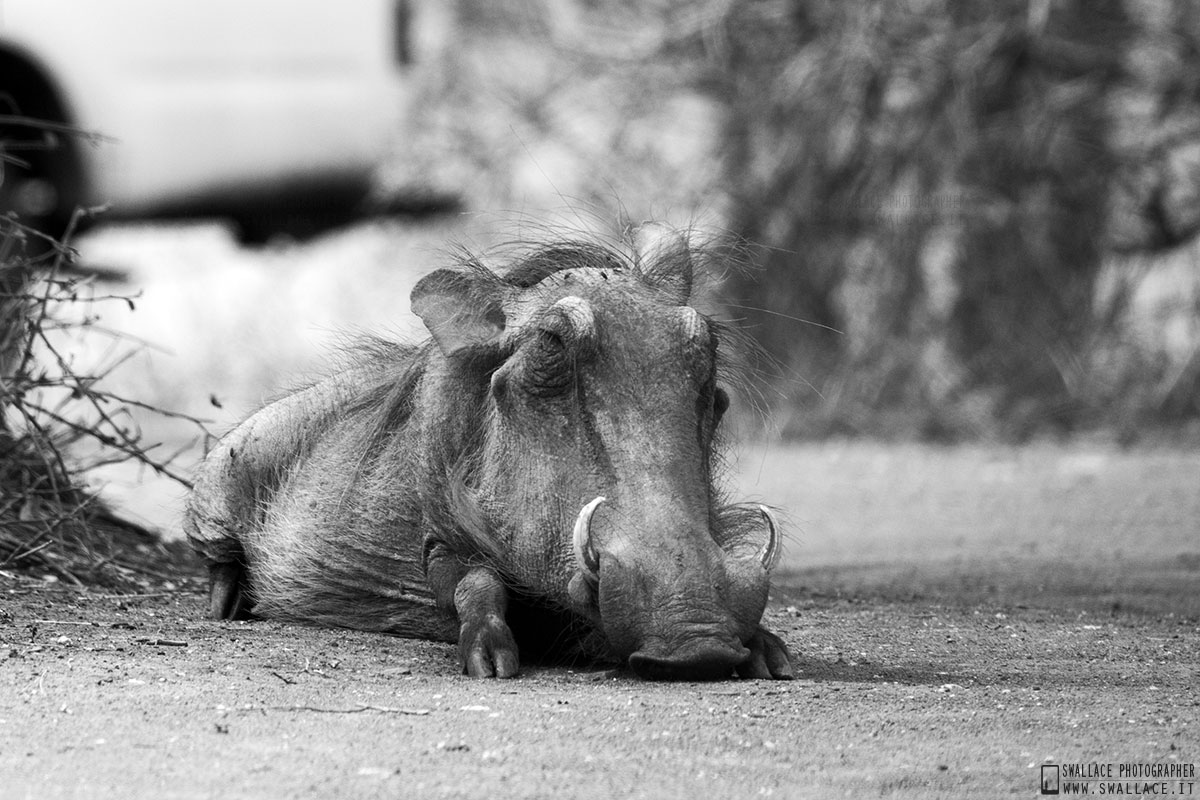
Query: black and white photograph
column 599, row 399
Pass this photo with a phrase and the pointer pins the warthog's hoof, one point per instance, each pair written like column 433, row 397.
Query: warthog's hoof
column 226, row 591
column 488, row 649
column 769, row 658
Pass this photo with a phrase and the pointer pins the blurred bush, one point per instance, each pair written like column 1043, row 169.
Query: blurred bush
column 959, row 204
column 948, row 184
column 526, row 107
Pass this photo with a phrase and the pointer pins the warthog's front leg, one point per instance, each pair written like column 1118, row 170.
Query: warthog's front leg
column 769, row 657
column 479, row 600
column 485, row 643
column 227, row 596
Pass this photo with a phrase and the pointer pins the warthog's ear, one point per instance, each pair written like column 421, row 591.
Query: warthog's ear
column 664, row 259
column 462, row 309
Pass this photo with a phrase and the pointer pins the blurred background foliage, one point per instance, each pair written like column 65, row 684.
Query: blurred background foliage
column 969, row 218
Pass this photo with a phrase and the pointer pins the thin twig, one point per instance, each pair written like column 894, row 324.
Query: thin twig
column 416, row 712
column 124, row 444
column 143, row 570
column 136, row 596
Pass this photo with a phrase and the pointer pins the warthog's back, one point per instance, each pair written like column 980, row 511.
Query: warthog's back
column 280, row 492
column 242, row 473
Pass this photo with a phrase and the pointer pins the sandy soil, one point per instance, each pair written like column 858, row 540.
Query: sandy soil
column 934, row 661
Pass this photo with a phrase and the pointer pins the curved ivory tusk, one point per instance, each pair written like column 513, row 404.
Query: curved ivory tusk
column 770, row 552
column 585, row 554
column 694, row 327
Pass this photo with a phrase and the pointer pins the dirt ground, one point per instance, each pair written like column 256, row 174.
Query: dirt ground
column 958, row 617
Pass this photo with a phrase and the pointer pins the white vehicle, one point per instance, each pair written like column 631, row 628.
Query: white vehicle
column 201, row 106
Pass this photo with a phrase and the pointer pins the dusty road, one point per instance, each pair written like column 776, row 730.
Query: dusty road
column 959, row 618
column 143, row 700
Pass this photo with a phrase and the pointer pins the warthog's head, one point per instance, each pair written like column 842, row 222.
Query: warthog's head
column 594, row 471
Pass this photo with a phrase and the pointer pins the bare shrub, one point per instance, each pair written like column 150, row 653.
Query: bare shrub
column 57, row 424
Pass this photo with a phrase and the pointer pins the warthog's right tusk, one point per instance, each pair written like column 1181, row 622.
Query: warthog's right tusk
column 585, row 554
column 770, row 552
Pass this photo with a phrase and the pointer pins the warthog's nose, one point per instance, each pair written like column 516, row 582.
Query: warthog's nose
column 708, row 660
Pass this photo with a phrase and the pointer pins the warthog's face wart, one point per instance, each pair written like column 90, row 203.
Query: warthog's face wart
column 596, row 466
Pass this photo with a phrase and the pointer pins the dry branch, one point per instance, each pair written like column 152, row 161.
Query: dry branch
column 50, row 524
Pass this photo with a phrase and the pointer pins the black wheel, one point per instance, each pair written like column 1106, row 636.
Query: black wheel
column 41, row 176
column 28, row 186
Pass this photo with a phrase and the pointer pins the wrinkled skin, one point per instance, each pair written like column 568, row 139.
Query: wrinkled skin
column 540, row 474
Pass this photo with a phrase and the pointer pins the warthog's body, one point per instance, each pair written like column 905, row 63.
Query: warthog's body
column 436, row 491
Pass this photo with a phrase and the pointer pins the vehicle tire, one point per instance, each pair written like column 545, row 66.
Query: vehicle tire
column 40, row 168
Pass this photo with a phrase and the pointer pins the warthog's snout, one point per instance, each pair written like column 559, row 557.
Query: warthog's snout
column 701, row 660
column 675, row 607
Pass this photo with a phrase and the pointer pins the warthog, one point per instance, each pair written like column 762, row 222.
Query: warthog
column 540, row 472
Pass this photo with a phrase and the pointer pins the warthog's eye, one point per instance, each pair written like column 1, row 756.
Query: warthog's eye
column 711, row 406
column 550, row 367
column 720, row 404
column 550, row 341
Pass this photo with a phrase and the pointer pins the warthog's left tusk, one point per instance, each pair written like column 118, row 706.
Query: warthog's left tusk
column 770, row 552
column 585, row 554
